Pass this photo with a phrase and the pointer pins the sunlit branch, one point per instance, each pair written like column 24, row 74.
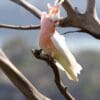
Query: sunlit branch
column 17, row 27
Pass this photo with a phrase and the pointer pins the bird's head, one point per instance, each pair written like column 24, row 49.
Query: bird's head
column 54, row 12
column 50, row 20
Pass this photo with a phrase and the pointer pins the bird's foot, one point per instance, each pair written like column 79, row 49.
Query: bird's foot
column 36, row 52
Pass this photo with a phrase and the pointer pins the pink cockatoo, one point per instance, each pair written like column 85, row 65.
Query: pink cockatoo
column 54, row 44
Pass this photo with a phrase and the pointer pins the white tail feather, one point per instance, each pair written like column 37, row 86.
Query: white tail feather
column 72, row 68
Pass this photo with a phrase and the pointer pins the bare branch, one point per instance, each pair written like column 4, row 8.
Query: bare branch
column 67, row 5
column 50, row 61
column 89, row 21
column 27, row 27
column 19, row 79
column 91, row 7
column 29, row 7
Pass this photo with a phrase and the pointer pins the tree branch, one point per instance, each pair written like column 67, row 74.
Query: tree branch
column 91, row 7
column 50, row 61
column 29, row 7
column 19, row 79
column 67, row 5
column 73, row 31
column 27, row 27
column 89, row 21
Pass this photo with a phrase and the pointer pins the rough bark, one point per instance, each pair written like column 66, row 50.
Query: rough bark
column 19, row 80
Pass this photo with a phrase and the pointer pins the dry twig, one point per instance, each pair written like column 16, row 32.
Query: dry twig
column 50, row 61
column 89, row 21
column 27, row 27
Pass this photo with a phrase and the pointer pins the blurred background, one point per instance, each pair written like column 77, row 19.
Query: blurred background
column 18, row 44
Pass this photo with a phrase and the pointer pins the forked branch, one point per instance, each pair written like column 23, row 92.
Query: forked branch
column 67, row 5
column 89, row 21
column 50, row 61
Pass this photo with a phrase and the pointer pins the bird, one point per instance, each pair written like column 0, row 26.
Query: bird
column 54, row 44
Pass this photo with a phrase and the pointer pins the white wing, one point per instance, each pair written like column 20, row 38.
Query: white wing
column 60, row 44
